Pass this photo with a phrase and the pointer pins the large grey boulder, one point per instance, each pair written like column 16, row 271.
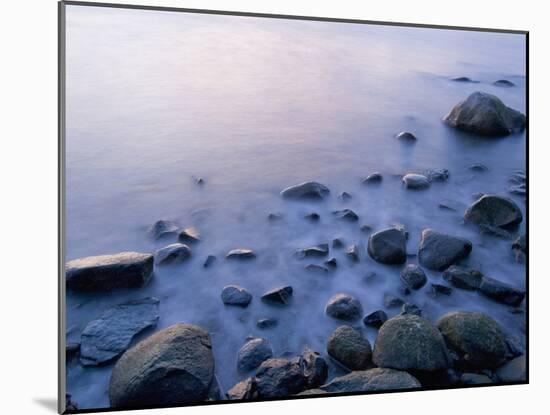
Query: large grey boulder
column 108, row 337
column 475, row 338
column 501, row 292
column 348, row 347
column 413, row 276
column 172, row 367
column 344, row 307
column 409, row 342
column 253, row 353
column 439, row 251
column 280, row 377
column 494, row 211
column 376, row 379
column 485, row 114
column 172, row 254
column 109, row 272
column 306, row 190
column 388, row 246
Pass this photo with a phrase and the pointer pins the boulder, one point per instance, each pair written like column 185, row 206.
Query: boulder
column 504, row 82
column 337, row 243
column 209, row 261
column 172, row 254
column 108, row 337
column 344, row 196
column 438, row 289
column 514, row 370
column 353, row 253
column 373, row 178
column 172, row 367
column 348, row 347
column 475, row 338
column 409, row 342
column 316, row 251
column 478, row 167
column 331, row 263
column 189, row 235
column 347, row 215
column 437, row 175
column 391, row 301
column 464, row 79
column 244, row 390
column 280, row 295
column 375, row 319
column 485, row 114
column 406, row 136
column 314, row 268
column 313, row 217
column 235, row 295
column 416, row 181
column 409, row 308
column 376, row 379
column 273, row 217
column 314, row 368
column 520, row 247
column 253, row 353
column 109, row 272
column 475, row 379
column 306, row 190
column 241, row 253
column 494, row 211
column 413, row 276
column 163, row 229
column 462, row 277
column 265, row 323
column 438, row 251
column 344, row 307
column 388, row 246
column 501, row 292
column 280, row 377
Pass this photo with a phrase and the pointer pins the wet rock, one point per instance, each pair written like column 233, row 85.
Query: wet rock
column 391, row 301
column 409, row 342
column 235, row 295
column 344, row 307
column 163, row 229
column 376, row 379
column 72, row 350
column 439, row 289
column 108, row 337
column 485, row 114
column 406, row 136
column 366, row 228
column 320, row 250
column 449, row 205
column 475, row 338
column 353, row 253
column 464, row 79
column 413, row 276
column 109, row 272
column 439, row 251
column 516, row 345
column 314, row 268
column 344, row 196
column 313, row 217
column 210, row 259
column 475, row 379
column 409, row 308
column 461, row 277
column 273, row 217
column 189, row 235
column 501, row 292
column 337, row 243
column 347, row 215
column 486, row 229
column 520, row 248
column 280, row 377
column 311, row 392
column 172, row 254
column 416, row 181
column 306, row 190
column 373, row 178
column 280, row 295
column 244, row 390
column 504, row 82
column 518, row 189
column 478, row 167
column 513, row 371
column 388, row 246
column 494, row 211
column 314, row 368
column 253, row 353
column 70, row 405
column 265, row 323
column 178, row 361
column 241, row 253
column 331, row 263
column 438, row 175
column 375, row 319
column 348, row 346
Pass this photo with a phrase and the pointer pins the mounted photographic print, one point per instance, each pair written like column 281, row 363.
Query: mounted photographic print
column 258, row 207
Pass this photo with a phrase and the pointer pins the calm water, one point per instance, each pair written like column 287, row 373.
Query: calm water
column 254, row 105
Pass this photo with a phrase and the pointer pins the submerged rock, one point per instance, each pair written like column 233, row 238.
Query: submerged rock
column 504, row 82
column 463, row 79
column 391, row 301
column 244, row 390
column 513, row 371
column 235, row 295
column 376, row 379
column 406, row 136
column 108, row 337
column 413, row 276
column 348, row 346
column 265, row 323
column 72, row 350
column 416, row 181
column 353, row 253
column 172, row 367
column 253, row 353
column 316, row 268
column 346, row 214
column 209, row 261
column 344, row 196
column 189, row 235
column 320, row 250
column 375, row 319
column 441, row 289
column 163, row 229
column 475, row 379
column 501, row 292
column 344, row 307
column 312, row 217
column 520, row 247
column 306, row 190
column 478, row 167
column 332, row 263
column 461, row 277
column 280, row 295
column 388, row 246
column 314, row 368
column 273, row 217
column 437, row 175
column 172, row 254
column 409, row 342
column 438, row 251
column 373, row 178
column 485, row 114
column 475, row 338
column 280, row 377
column 242, row 253
column 337, row 243
column 409, row 308
column 109, row 272
column 495, row 211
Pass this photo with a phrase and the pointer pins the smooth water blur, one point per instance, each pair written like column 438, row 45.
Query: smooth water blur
column 253, row 105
